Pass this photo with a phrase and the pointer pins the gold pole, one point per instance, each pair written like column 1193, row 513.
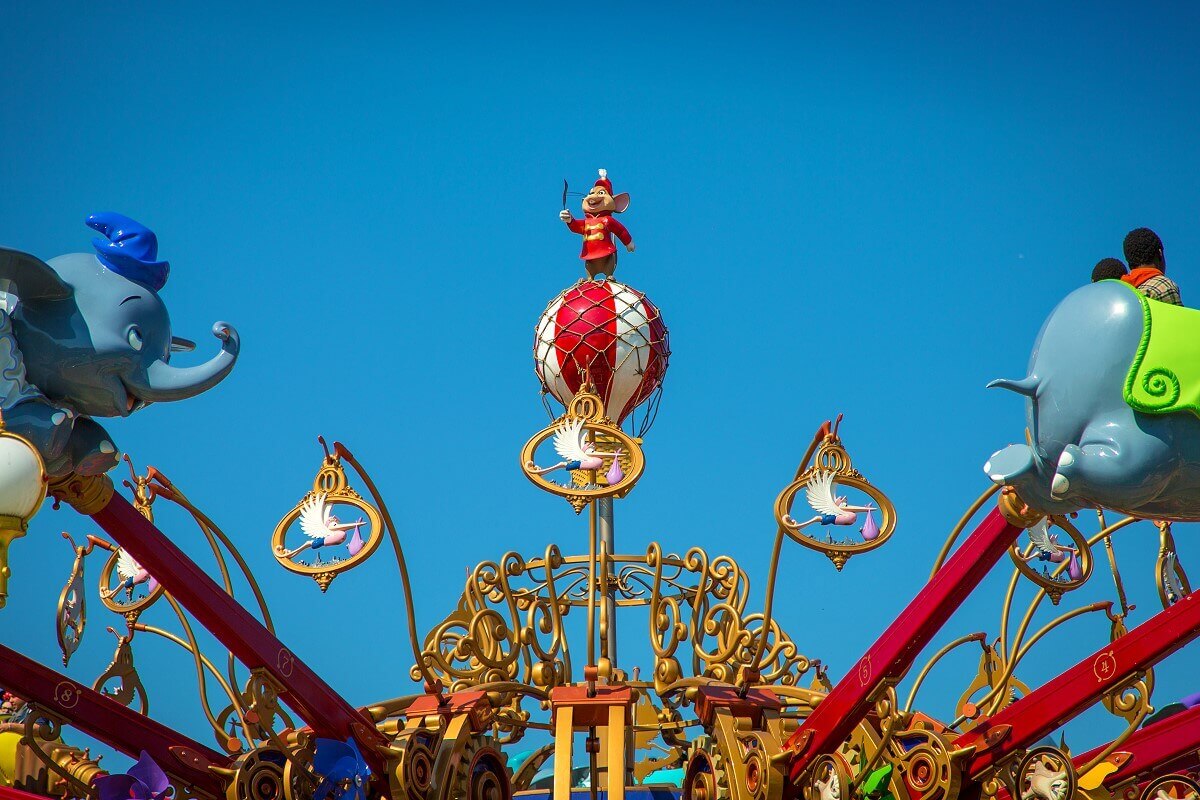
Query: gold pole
column 996, row 694
column 210, row 529
column 1112, row 565
column 564, row 738
column 10, row 528
column 431, row 682
column 201, row 683
column 591, row 613
column 958, row 529
column 606, row 612
column 605, row 512
column 233, row 698
column 912, row 695
column 769, row 601
column 616, row 752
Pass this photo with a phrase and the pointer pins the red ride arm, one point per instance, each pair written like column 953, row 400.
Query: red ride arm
column 1168, row 745
column 1045, row 709
column 314, row 701
column 893, row 653
column 107, row 720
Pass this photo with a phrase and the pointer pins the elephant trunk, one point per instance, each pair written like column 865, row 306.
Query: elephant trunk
column 165, row 383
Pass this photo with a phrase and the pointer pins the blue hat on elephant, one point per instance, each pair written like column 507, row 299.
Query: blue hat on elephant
column 129, row 249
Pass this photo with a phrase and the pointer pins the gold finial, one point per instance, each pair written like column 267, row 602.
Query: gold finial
column 87, row 494
column 1015, row 510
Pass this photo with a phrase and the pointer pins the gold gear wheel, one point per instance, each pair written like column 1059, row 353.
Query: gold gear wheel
column 259, row 776
column 705, row 777
column 478, row 772
column 298, row 781
column 413, row 777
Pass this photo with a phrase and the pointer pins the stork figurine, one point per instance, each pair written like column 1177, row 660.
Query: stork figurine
column 131, row 574
column 831, row 509
column 571, row 444
column 1047, row 548
column 323, row 529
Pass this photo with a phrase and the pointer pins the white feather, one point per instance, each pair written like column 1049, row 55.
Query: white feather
column 820, row 494
column 1039, row 534
column 314, row 517
column 570, row 441
column 127, row 567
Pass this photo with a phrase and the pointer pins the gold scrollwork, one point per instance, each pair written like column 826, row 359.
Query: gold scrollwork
column 260, row 700
column 833, row 462
column 479, row 643
column 711, row 617
column 42, row 731
column 989, row 676
column 1131, row 701
column 510, row 624
column 315, row 511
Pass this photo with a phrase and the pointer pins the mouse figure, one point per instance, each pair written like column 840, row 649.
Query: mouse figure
column 598, row 226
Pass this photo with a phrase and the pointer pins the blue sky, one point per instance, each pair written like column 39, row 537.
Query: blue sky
column 867, row 211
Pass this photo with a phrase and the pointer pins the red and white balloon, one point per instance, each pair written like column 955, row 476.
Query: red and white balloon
column 613, row 334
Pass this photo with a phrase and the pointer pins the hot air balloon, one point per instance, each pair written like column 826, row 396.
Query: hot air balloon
column 615, row 336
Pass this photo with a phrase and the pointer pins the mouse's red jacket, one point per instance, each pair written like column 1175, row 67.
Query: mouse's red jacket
column 597, row 235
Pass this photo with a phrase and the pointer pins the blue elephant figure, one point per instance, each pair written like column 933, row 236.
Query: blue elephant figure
column 1112, row 402
column 87, row 335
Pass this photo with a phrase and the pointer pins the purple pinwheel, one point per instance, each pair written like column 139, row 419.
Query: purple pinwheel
column 144, row 781
column 345, row 772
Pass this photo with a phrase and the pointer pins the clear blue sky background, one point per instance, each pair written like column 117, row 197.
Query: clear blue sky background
column 867, row 211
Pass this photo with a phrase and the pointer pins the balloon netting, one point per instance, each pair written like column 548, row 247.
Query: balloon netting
column 610, row 334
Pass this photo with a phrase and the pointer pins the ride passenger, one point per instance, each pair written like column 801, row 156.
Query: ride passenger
column 1148, row 267
column 1109, row 269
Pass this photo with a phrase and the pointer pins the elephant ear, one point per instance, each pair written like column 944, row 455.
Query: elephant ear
column 30, row 278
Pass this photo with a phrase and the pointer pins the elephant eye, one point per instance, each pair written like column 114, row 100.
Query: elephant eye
column 135, row 338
